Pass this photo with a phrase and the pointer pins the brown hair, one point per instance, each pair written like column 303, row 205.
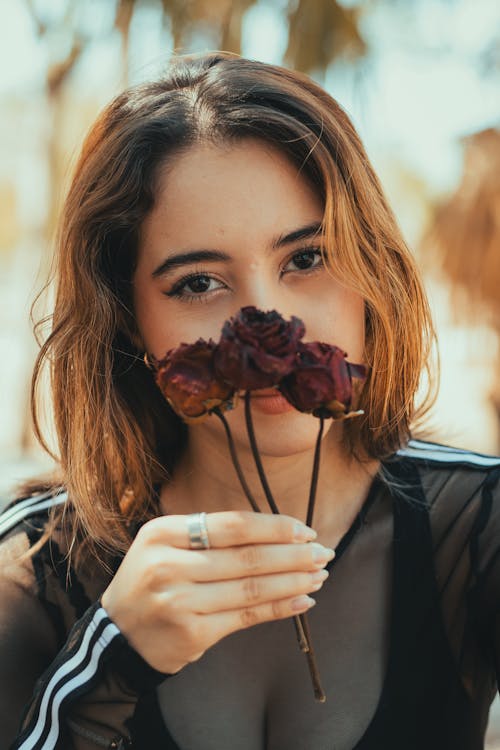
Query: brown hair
column 117, row 436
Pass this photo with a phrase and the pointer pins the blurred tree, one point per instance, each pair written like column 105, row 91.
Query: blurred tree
column 319, row 31
column 62, row 58
column 123, row 19
column 65, row 43
column 10, row 228
column 220, row 19
column 466, row 227
column 465, row 236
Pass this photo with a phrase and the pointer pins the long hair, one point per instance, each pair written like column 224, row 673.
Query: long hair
column 117, row 436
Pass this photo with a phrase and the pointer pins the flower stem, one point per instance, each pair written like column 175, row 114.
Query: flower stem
column 301, row 622
column 319, row 693
column 301, row 635
column 236, row 463
column 315, row 474
column 256, row 455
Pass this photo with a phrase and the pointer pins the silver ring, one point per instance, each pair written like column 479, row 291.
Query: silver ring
column 197, row 531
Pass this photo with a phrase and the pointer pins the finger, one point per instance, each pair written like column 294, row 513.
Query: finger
column 230, row 529
column 238, row 562
column 208, row 598
column 228, row 622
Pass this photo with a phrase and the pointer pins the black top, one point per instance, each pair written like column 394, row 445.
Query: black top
column 406, row 630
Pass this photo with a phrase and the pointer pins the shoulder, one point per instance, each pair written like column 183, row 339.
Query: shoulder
column 23, row 523
column 17, row 515
column 26, row 586
column 460, row 488
column 37, row 539
column 426, row 454
column 448, row 473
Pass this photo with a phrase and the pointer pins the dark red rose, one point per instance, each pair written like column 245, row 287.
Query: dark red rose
column 187, row 379
column 321, row 381
column 257, row 349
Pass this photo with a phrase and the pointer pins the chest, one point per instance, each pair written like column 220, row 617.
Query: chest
column 382, row 651
column 252, row 690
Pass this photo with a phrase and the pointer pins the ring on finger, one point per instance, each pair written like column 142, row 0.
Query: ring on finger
column 197, row 531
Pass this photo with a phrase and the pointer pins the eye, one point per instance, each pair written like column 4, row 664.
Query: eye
column 194, row 286
column 305, row 260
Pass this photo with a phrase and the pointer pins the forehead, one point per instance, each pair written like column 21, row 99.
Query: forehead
column 217, row 190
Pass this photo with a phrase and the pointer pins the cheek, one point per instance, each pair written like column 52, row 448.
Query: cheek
column 156, row 331
column 340, row 321
column 353, row 324
column 160, row 329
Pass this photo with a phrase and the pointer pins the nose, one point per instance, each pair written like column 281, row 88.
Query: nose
column 266, row 296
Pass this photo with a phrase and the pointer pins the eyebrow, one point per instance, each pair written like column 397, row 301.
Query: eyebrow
column 298, row 234
column 214, row 256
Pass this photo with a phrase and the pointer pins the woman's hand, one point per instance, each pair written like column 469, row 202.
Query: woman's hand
column 172, row 603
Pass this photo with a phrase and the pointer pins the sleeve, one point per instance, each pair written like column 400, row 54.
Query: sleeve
column 485, row 558
column 27, row 645
column 79, row 697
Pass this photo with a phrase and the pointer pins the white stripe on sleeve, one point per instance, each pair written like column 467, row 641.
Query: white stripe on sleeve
column 60, row 690
column 27, row 508
column 445, row 454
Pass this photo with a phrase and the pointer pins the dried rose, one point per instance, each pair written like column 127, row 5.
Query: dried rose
column 257, row 349
column 187, row 379
column 321, row 381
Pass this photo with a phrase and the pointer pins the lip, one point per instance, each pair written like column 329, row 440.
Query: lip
column 261, row 393
column 270, row 401
column 266, row 393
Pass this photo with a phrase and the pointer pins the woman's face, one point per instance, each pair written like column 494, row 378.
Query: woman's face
column 237, row 225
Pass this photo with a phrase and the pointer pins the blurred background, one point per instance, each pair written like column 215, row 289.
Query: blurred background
column 419, row 78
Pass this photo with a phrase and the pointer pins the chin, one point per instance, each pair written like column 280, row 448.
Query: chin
column 277, row 435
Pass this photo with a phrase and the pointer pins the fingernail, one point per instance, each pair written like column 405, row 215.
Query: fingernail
column 319, row 576
column 303, row 533
column 322, row 555
column 301, row 603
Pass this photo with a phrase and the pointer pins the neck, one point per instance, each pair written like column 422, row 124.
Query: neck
column 205, row 480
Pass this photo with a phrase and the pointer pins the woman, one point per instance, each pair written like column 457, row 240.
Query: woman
column 125, row 615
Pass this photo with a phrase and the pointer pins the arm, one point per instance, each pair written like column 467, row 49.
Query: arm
column 89, row 691
column 27, row 645
column 172, row 604
column 88, row 688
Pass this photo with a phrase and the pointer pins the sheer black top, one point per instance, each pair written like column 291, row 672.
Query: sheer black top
column 406, row 630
